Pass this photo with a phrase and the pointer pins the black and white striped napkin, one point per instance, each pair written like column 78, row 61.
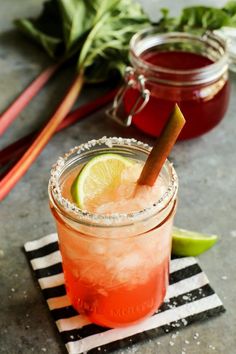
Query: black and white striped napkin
column 189, row 298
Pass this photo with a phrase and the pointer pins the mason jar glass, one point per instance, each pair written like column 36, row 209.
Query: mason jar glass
column 170, row 68
column 116, row 266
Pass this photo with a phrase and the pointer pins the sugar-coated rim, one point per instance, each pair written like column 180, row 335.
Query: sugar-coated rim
column 73, row 212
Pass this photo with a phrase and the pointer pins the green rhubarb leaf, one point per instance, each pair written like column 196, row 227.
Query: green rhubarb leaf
column 98, row 32
column 77, row 19
column 46, row 30
column 199, row 19
column 106, row 47
column 230, row 8
column 50, row 44
column 202, row 18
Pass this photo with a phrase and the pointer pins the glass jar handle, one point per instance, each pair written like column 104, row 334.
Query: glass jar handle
column 131, row 79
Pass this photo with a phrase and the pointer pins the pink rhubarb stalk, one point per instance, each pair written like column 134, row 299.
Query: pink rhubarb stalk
column 21, row 167
column 11, row 113
column 16, row 149
column 162, row 148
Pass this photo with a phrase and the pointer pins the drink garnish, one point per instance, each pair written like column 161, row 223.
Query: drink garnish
column 162, row 147
column 191, row 243
column 100, row 174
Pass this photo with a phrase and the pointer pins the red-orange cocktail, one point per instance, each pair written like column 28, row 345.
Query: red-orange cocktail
column 115, row 261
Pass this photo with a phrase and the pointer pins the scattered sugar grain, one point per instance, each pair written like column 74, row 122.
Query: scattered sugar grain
column 13, row 290
column 1, row 253
column 175, row 335
column 196, row 336
column 158, row 343
column 233, row 233
column 212, row 347
column 198, row 343
column 186, row 341
column 185, row 297
column 44, row 350
column 224, row 277
column 184, row 321
column 171, row 343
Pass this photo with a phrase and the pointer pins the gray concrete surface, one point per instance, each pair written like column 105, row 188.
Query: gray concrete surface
column 206, row 168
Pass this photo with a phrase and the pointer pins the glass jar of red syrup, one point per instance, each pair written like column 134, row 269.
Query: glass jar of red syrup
column 174, row 68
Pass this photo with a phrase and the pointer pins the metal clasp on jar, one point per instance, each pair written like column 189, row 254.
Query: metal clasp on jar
column 132, row 79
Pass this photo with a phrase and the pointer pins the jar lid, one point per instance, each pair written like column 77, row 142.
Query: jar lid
column 229, row 35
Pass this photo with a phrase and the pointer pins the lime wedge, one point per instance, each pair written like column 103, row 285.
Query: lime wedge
column 191, row 243
column 101, row 175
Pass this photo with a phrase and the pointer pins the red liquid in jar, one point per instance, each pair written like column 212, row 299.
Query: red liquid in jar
column 203, row 105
